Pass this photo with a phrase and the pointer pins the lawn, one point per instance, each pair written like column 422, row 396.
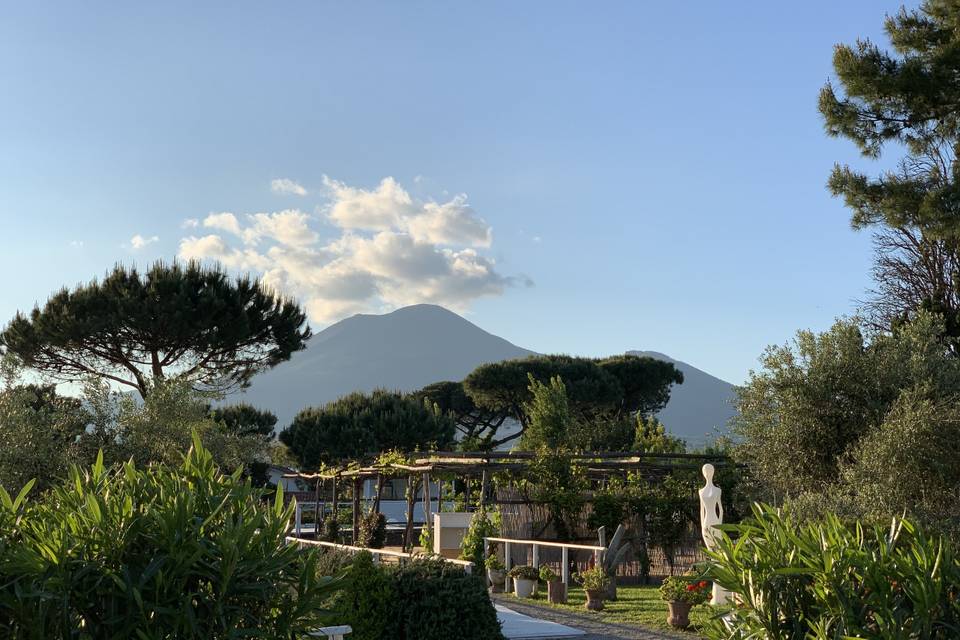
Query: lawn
column 635, row 605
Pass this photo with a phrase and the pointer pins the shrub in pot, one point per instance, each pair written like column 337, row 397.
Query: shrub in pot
column 496, row 573
column 556, row 590
column 595, row 584
column 682, row 594
column 524, row 579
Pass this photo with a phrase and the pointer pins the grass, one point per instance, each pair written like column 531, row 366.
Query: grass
column 635, row 605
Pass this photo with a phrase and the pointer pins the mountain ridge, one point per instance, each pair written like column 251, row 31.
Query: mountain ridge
column 413, row 346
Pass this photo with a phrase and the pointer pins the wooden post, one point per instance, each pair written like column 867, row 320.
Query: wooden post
column 506, row 566
column 333, row 499
column 376, row 500
column 316, row 511
column 565, row 568
column 484, row 482
column 428, row 525
column 408, row 530
column 356, row 507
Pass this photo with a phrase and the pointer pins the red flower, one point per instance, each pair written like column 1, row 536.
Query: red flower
column 703, row 584
column 691, row 587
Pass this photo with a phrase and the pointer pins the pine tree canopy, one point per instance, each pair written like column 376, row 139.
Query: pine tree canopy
column 135, row 328
column 907, row 99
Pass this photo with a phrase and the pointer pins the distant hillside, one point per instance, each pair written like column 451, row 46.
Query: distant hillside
column 699, row 406
column 403, row 350
column 414, row 346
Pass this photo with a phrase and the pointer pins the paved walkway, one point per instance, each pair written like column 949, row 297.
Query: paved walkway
column 516, row 626
column 588, row 627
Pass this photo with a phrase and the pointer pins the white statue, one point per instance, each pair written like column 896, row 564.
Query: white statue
column 711, row 514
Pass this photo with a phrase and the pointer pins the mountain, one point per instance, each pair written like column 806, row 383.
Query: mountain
column 403, row 350
column 414, row 346
column 699, row 406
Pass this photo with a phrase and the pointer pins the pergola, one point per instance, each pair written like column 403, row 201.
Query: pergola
column 467, row 466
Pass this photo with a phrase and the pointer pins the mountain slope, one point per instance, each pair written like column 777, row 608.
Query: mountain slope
column 698, row 407
column 403, row 350
column 415, row 346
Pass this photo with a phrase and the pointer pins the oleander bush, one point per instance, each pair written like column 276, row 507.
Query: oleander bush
column 831, row 580
column 162, row 553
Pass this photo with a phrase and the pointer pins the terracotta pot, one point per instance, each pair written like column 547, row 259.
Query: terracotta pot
column 595, row 599
column 496, row 578
column 556, row 592
column 523, row 587
column 678, row 614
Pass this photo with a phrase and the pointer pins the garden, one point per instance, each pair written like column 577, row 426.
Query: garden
column 142, row 504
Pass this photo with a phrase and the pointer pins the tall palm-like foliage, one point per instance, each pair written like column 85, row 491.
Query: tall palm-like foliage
column 832, row 580
column 167, row 552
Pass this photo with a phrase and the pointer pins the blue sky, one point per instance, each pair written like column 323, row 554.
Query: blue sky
column 575, row 177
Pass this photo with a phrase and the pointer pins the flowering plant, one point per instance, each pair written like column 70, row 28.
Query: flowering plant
column 685, row 589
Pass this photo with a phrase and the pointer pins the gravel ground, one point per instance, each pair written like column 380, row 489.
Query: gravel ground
column 595, row 630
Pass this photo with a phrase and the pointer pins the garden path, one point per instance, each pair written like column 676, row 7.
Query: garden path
column 590, row 629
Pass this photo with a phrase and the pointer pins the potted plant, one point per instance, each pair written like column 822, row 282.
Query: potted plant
column 524, row 580
column 496, row 573
column 681, row 594
column 556, row 590
column 595, row 584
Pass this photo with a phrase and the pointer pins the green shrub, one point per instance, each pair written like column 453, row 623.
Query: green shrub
column 441, row 601
column 547, row 574
column 830, row 580
column 368, row 602
column 163, row 553
column 482, row 525
column 333, row 562
column 595, row 579
column 524, row 572
column 331, row 529
column 372, row 530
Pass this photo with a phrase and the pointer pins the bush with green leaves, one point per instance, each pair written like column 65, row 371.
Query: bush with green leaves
column 425, row 599
column 442, row 601
column 859, row 423
column 160, row 553
column 524, row 572
column 372, row 530
column 827, row 579
column 368, row 601
column 482, row 525
column 37, row 430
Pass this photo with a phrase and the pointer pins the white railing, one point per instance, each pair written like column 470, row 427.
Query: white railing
column 377, row 553
column 332, row 633
column 565, row 547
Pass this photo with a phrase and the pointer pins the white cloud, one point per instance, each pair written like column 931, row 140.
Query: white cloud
column 225, row 221
column 139, row 242
column 286, row 186
column 390, row 250
column 76, row 243
column 190, row 223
